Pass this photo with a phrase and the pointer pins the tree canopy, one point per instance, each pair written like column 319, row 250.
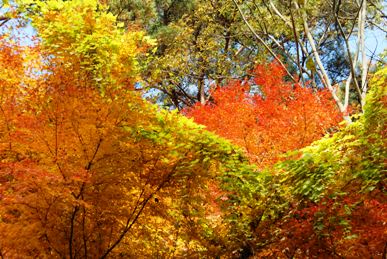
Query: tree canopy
column 254, row 162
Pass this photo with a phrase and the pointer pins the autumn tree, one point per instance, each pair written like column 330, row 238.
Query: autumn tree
column 88, row 169
column 338, row 190
column 267, row 115
column 205, row 43
column 325, row 200
column 307, row 33
column 200, row 44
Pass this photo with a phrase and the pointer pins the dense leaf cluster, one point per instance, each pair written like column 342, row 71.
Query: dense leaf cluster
column 327, row 199
column 88, row 169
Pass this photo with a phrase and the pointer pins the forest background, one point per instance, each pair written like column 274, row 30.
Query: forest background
column 290, row 162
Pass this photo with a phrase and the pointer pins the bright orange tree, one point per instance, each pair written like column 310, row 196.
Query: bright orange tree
column 267, row 115
column 327, row 202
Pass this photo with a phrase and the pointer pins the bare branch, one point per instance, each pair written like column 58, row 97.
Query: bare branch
column 288, row 24
column 296, row 39
column 263, row 42
column 321, row 71
column 377, row 25
column 364, row 68
column 351, row 61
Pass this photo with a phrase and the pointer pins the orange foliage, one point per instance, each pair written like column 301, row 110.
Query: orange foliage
column 276, row 118
column 73, row 180
column 91, row 175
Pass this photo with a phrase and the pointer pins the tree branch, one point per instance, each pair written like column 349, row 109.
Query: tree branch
column 263, row 42
column 351, row 61
column 321, row 72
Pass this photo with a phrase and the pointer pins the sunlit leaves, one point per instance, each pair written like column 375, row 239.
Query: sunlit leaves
column 268, row 116
column 83, row 37
column 88, row 169
column 337, row 189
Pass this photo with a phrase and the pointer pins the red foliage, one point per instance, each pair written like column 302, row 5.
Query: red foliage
column 277, row 118
column 352, row 226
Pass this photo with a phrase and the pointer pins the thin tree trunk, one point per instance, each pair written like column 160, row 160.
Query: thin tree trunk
column 322, row 72
column 364, row 69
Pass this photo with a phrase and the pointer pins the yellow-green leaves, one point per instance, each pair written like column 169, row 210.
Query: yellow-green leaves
column 83, row 35
column 355, row 154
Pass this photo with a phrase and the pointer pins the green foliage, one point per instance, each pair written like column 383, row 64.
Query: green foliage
column 355, row 154
column 200, row 45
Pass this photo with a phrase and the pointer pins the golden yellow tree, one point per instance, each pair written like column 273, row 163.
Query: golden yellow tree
column 91, row 170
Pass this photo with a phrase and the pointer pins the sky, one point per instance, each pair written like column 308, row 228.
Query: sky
column 375, row 42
